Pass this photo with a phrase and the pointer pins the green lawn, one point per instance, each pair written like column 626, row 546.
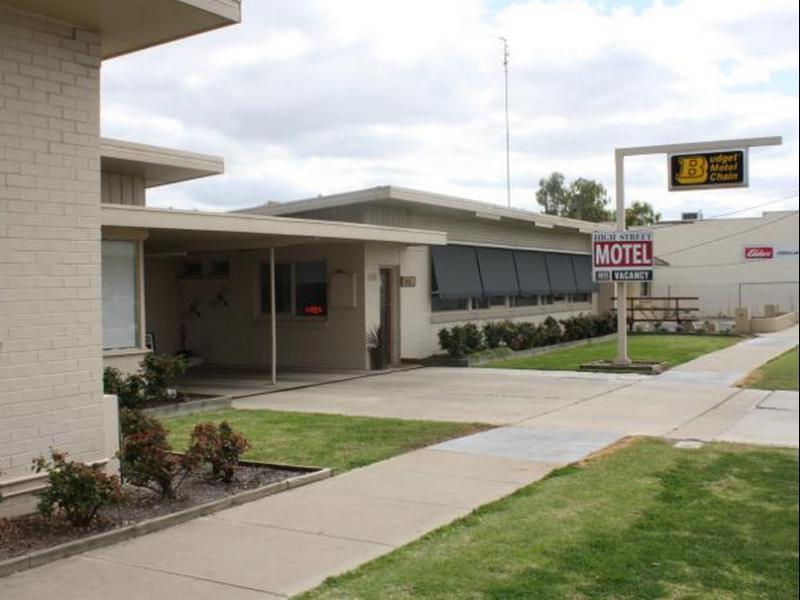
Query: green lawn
column 647, row 521
column 674, row 349
column 334, row 441
column 778, row 374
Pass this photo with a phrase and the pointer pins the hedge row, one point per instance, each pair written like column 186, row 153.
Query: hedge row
column 461, row 340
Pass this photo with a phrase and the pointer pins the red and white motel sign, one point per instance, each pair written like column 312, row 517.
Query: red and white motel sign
column 622, row 256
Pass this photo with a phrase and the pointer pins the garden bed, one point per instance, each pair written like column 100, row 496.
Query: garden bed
column 32, row 540
column 489, row 356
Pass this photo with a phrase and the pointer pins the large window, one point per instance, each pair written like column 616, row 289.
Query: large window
column 120, row 310
column 474, row 278
column 283, row 288
column 301, row 289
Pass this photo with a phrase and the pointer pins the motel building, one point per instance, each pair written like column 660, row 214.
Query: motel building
column 92, row 277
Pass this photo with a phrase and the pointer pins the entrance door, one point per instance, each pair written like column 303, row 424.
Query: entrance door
column 387, row 316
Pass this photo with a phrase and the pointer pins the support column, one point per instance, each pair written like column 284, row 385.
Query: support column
column 272, row 320
column 622, row 291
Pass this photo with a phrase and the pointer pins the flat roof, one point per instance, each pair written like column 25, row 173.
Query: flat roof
column 157, row 165
column 193, row 230
column 131, row 25
column 421, row 198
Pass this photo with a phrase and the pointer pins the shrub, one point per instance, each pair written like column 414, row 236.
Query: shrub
column 129, row 389
column 151, row 385
column 146, row 460
column 509, row 332
column 220, row 446
column 473, row 339
column 453, row 341
column 605, row 323
column 493, row 334
column 132, row 421
column 76, row 489
column 550, row 331
column 579, row 327
column 527, row 335
column 160, row 372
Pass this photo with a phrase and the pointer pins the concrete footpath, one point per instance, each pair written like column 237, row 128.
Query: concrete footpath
column 284, row 544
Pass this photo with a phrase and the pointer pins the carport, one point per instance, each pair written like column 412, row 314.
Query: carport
column 243, row 291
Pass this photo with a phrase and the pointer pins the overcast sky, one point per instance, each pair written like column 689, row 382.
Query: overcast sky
column 309, row 97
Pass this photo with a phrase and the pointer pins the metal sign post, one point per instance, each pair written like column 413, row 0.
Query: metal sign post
column 691, row 166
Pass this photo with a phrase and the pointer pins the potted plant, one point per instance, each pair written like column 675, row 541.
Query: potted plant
column 375, row 348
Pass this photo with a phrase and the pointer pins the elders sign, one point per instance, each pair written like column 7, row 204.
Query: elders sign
column 622, row 256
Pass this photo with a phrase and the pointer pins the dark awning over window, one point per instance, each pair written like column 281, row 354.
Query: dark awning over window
column 582, row 265
column 532, row 273
column 497, row 272
column 456, row 271
column 562, row 278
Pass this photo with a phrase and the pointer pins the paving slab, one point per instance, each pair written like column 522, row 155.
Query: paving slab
column 782, row 400
column 89, row 578
column 701, row 378
column 765, row 426
column 542, row 445
column 647, row 408
column 412, row 486
column 272, row 560
column 437, row 460
column 384, row 521
column 719, row 419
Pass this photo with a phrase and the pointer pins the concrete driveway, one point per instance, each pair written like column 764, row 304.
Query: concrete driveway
column 695, row 400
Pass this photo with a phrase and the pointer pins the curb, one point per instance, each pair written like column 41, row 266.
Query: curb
column 107, row 538
column 189, row 408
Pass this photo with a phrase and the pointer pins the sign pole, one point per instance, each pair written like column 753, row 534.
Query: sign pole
column 691, row 166
column 622, row 291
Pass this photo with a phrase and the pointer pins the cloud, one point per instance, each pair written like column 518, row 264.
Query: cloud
column 308, row 97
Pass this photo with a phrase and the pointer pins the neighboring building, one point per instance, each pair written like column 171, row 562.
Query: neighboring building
column 51, row 311
column 729, row 262
column 499, row 263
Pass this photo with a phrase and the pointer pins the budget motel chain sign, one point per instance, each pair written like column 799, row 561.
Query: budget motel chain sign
column 622, row 256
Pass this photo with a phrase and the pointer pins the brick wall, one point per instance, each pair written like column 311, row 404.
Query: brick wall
column 50, row 307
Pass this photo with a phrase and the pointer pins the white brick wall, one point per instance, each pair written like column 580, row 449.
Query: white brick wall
column 50, row 307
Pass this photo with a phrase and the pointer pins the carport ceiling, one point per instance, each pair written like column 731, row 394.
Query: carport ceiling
column 174, row 240
column 130, row 25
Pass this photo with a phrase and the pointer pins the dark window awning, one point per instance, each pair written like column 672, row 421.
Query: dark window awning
column 562, row 278
column 456, row 272
column 497, row 272
column 532, row 273
column 582, row 266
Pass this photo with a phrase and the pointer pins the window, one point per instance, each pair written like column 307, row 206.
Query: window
column 120, row 309
column 525, row 301
column 646, row 290
column 301, row 289
column 310, row 288
column 582, row 297
column 478, row 303
column 283, row 288
column 439, row 304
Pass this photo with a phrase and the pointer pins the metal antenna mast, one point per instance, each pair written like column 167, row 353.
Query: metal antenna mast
column 508, row 146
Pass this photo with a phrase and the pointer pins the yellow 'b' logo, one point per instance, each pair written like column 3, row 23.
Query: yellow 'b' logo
column 693, row 169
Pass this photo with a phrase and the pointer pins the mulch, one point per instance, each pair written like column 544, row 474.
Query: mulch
column 21, row 535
